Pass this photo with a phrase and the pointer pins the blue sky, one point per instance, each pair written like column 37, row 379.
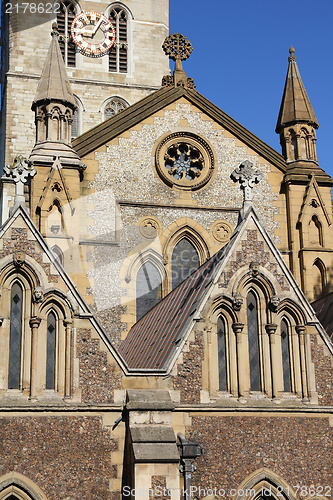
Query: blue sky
column 240, row 59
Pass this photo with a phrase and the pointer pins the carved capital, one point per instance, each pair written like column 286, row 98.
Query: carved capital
column 271, row 330
column 34, row 322
column 238, row 329
column 300, row 329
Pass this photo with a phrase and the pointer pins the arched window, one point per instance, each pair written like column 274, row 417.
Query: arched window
column 64, row 21
column 253, row 339
column 118, row 54
column 114, row 106
column 15, row 338
column 51, row 351
column 222, row 354
column 185, row 260
column 285, row 349
column 316, row 233
column 319, row 279
column 77, row 119
column 59, row 255
column 293, row 145
column 148, row 288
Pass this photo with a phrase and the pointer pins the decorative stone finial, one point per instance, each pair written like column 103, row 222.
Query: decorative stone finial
column 54, row 31
column 19, row 171
column 248, row 177
column 178, row 48
column 292, row 56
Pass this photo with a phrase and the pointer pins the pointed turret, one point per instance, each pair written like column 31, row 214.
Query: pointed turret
column 297, row 122
column 54, row 105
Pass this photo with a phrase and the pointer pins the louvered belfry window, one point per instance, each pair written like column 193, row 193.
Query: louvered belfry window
column 148, row 288
column 118, row 54
column 285, row 347
column 253, row 338
column 50, row 351
column 64, row 21
column 15, row 339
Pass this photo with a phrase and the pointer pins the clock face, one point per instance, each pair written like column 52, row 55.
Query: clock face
column 93, row 33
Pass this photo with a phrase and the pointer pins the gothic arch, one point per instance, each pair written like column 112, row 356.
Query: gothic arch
column 293, row 310
column 119, row 56
column 77, row 118
column 319, row 278
column 112, row 106
column 264, row 478
column 19, row 486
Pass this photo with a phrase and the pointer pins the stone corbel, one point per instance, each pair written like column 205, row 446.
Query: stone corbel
column 1, row 321
column 254, row 268
column 237, row 302
column 274, row 302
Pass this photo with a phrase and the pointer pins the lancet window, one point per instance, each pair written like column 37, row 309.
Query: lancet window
column 51, row 351
column 253, row 341
column 222, row 354
column 148, row 288
column 285, row 350
column 185, row 260
column 15, row 338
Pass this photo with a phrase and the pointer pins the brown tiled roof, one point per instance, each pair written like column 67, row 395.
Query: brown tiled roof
column 324, row 311
column 153, row 339
column 106, row 131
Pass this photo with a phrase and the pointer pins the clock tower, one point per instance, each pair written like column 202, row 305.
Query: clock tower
column 102, row 86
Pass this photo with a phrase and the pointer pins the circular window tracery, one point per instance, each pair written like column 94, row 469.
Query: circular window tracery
column 185, row 161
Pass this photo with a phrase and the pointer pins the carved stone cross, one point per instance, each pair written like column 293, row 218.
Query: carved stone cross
column 19, row 171
column 247, row 177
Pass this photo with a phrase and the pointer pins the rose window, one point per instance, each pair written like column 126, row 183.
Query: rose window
column 184, row 161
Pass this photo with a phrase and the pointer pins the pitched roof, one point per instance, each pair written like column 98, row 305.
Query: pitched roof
column 151, row 341
column 324, row 311
column 110, row 129
column 54, row 83
column 295, row 105
column 156, row 339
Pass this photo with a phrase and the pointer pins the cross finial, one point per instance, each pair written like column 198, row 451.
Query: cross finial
column 19, row 171
column 178, row 48
column 247, row 177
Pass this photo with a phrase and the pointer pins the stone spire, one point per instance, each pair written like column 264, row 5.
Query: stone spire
column 54, row 83
column 54, row 105
column 297, row 122
column 178, row 48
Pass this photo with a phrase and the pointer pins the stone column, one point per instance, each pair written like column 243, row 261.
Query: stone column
column 68, row 358
column 300, row 329
column 238, row 329
column 34, row 324
column 275, row 362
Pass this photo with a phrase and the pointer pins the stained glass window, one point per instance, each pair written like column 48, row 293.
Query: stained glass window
column 15, row 339
column 148, row 288
column 222, row 354
column 114, row 106
column 253, row 338
column 185, row 260
column 285, row 347
column 50, row 351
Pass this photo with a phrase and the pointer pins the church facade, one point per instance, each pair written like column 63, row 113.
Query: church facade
column 158, row 263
